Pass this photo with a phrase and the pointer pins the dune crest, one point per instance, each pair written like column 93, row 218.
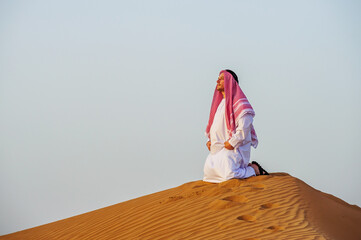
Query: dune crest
column 277, row 206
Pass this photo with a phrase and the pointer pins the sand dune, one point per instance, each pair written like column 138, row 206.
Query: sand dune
column 278, row 206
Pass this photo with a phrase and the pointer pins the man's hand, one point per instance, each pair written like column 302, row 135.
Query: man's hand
column 228, row 145
column 209, row 145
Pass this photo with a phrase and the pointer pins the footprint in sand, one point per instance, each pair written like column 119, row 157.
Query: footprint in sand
column 247, row 218
column 255, row 187
column 269, row 205
column 236, row 198
column 172, row 199
column 228, row 202
column 276, row 228
column 220, row 204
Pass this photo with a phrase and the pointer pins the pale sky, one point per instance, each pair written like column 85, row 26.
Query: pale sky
column 105, row 101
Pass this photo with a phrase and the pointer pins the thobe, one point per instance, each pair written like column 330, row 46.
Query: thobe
column 223, row 164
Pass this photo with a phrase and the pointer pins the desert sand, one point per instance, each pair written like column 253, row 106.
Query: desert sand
column 277, row 206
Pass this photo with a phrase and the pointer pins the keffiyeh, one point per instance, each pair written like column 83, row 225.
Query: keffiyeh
column 236, row 104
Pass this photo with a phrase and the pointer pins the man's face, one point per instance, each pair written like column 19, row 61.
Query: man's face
column 220, row 82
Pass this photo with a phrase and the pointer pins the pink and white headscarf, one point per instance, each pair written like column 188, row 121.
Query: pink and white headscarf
column 236, row 104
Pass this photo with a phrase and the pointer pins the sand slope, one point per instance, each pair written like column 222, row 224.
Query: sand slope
column 278, row 206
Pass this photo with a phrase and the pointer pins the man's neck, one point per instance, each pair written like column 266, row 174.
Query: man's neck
column 224, row 96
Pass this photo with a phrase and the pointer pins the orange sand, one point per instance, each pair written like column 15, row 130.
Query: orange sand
column 278, row 206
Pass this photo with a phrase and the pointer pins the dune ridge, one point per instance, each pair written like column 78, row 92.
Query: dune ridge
column 277, row 206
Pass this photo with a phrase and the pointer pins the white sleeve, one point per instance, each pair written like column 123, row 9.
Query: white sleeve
column 242, row 130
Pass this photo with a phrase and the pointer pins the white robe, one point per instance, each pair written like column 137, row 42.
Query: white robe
column 223, row 164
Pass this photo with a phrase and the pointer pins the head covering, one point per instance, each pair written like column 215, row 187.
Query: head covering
column 236, row 105
column 233, row 74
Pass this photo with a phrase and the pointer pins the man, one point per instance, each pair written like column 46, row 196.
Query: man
column 230, row 133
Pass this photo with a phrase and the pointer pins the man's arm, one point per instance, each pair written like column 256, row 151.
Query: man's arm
column 242, row 131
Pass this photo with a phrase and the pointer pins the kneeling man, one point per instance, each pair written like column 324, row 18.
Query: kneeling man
column 230, row 133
